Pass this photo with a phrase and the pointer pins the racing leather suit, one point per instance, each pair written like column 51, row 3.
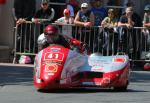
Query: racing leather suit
column 65, row 41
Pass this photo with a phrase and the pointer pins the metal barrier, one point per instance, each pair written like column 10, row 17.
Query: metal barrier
column 103, row 40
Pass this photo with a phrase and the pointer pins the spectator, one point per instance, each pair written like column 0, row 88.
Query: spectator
column 135, row 16
column 84, row 1
column 146, row 20
column 146, row 23
column 110, row 27
column 58, row 6
column 99, row 12
column 126, row 20
column 91, row 2
column 73, row 6
column 23, row 10
column 110, row 21
column 85, row 19
column 66, row 19
column 126, row 24
column 45, row 13
column 44, row 16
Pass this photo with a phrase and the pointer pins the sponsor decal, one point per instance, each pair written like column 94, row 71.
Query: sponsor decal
column 52, row 62
column 55, row 49
column 119, row 60
column 51, row 68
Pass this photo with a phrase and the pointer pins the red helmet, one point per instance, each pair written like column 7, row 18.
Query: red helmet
column 50, row 30
column 51, row 34
column 67, row 11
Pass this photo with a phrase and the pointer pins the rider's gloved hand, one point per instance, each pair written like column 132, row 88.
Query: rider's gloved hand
column 84, row 48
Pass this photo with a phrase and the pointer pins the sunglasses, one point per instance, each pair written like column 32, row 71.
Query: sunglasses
column 84, row 8
column 49, row 34
column 45, row 4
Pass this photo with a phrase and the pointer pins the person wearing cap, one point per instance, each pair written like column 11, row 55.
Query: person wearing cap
column 66, row 19
column 84, row 16
column 45, row 13
column 85, row 19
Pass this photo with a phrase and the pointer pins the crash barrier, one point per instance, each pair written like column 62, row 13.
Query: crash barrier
column 106, row 41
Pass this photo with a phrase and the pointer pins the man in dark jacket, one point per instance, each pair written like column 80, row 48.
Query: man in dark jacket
column 24, row 10
column 45, row 13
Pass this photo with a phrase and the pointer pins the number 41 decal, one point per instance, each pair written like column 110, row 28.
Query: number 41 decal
column 54, row 56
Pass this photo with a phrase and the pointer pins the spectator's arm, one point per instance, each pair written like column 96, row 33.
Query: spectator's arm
column 92, row 18
column 77, row 20
column 60, row 21
column 146, row 24
column 104, row 22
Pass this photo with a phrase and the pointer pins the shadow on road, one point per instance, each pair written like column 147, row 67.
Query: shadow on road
column 87, row 90
column 14, row 75
column 140, row 76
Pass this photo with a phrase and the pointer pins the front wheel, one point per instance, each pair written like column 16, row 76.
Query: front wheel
column 121, row 89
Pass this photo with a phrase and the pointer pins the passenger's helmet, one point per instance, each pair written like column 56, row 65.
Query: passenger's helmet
column 147, row 7
column 51, row 33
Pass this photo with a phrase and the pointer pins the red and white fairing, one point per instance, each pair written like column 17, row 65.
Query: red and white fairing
column 59, row 67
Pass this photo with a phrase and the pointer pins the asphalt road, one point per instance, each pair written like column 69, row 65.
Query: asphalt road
column 16, row 86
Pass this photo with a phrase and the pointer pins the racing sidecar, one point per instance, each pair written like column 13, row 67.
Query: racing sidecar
column 58, row 67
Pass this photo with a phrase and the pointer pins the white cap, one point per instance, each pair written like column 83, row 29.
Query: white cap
column 84, row 5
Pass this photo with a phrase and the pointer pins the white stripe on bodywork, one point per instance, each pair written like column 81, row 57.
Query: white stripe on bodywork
column 38, row 64
column 106, row 64
column 73, row 62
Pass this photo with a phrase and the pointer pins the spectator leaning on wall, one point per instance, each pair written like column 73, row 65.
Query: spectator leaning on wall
column 110, row 35
column 45, row 13
column 85, row 19
column 146, row 22
column 23, row 10
column 127, row 32
column 64, row 21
